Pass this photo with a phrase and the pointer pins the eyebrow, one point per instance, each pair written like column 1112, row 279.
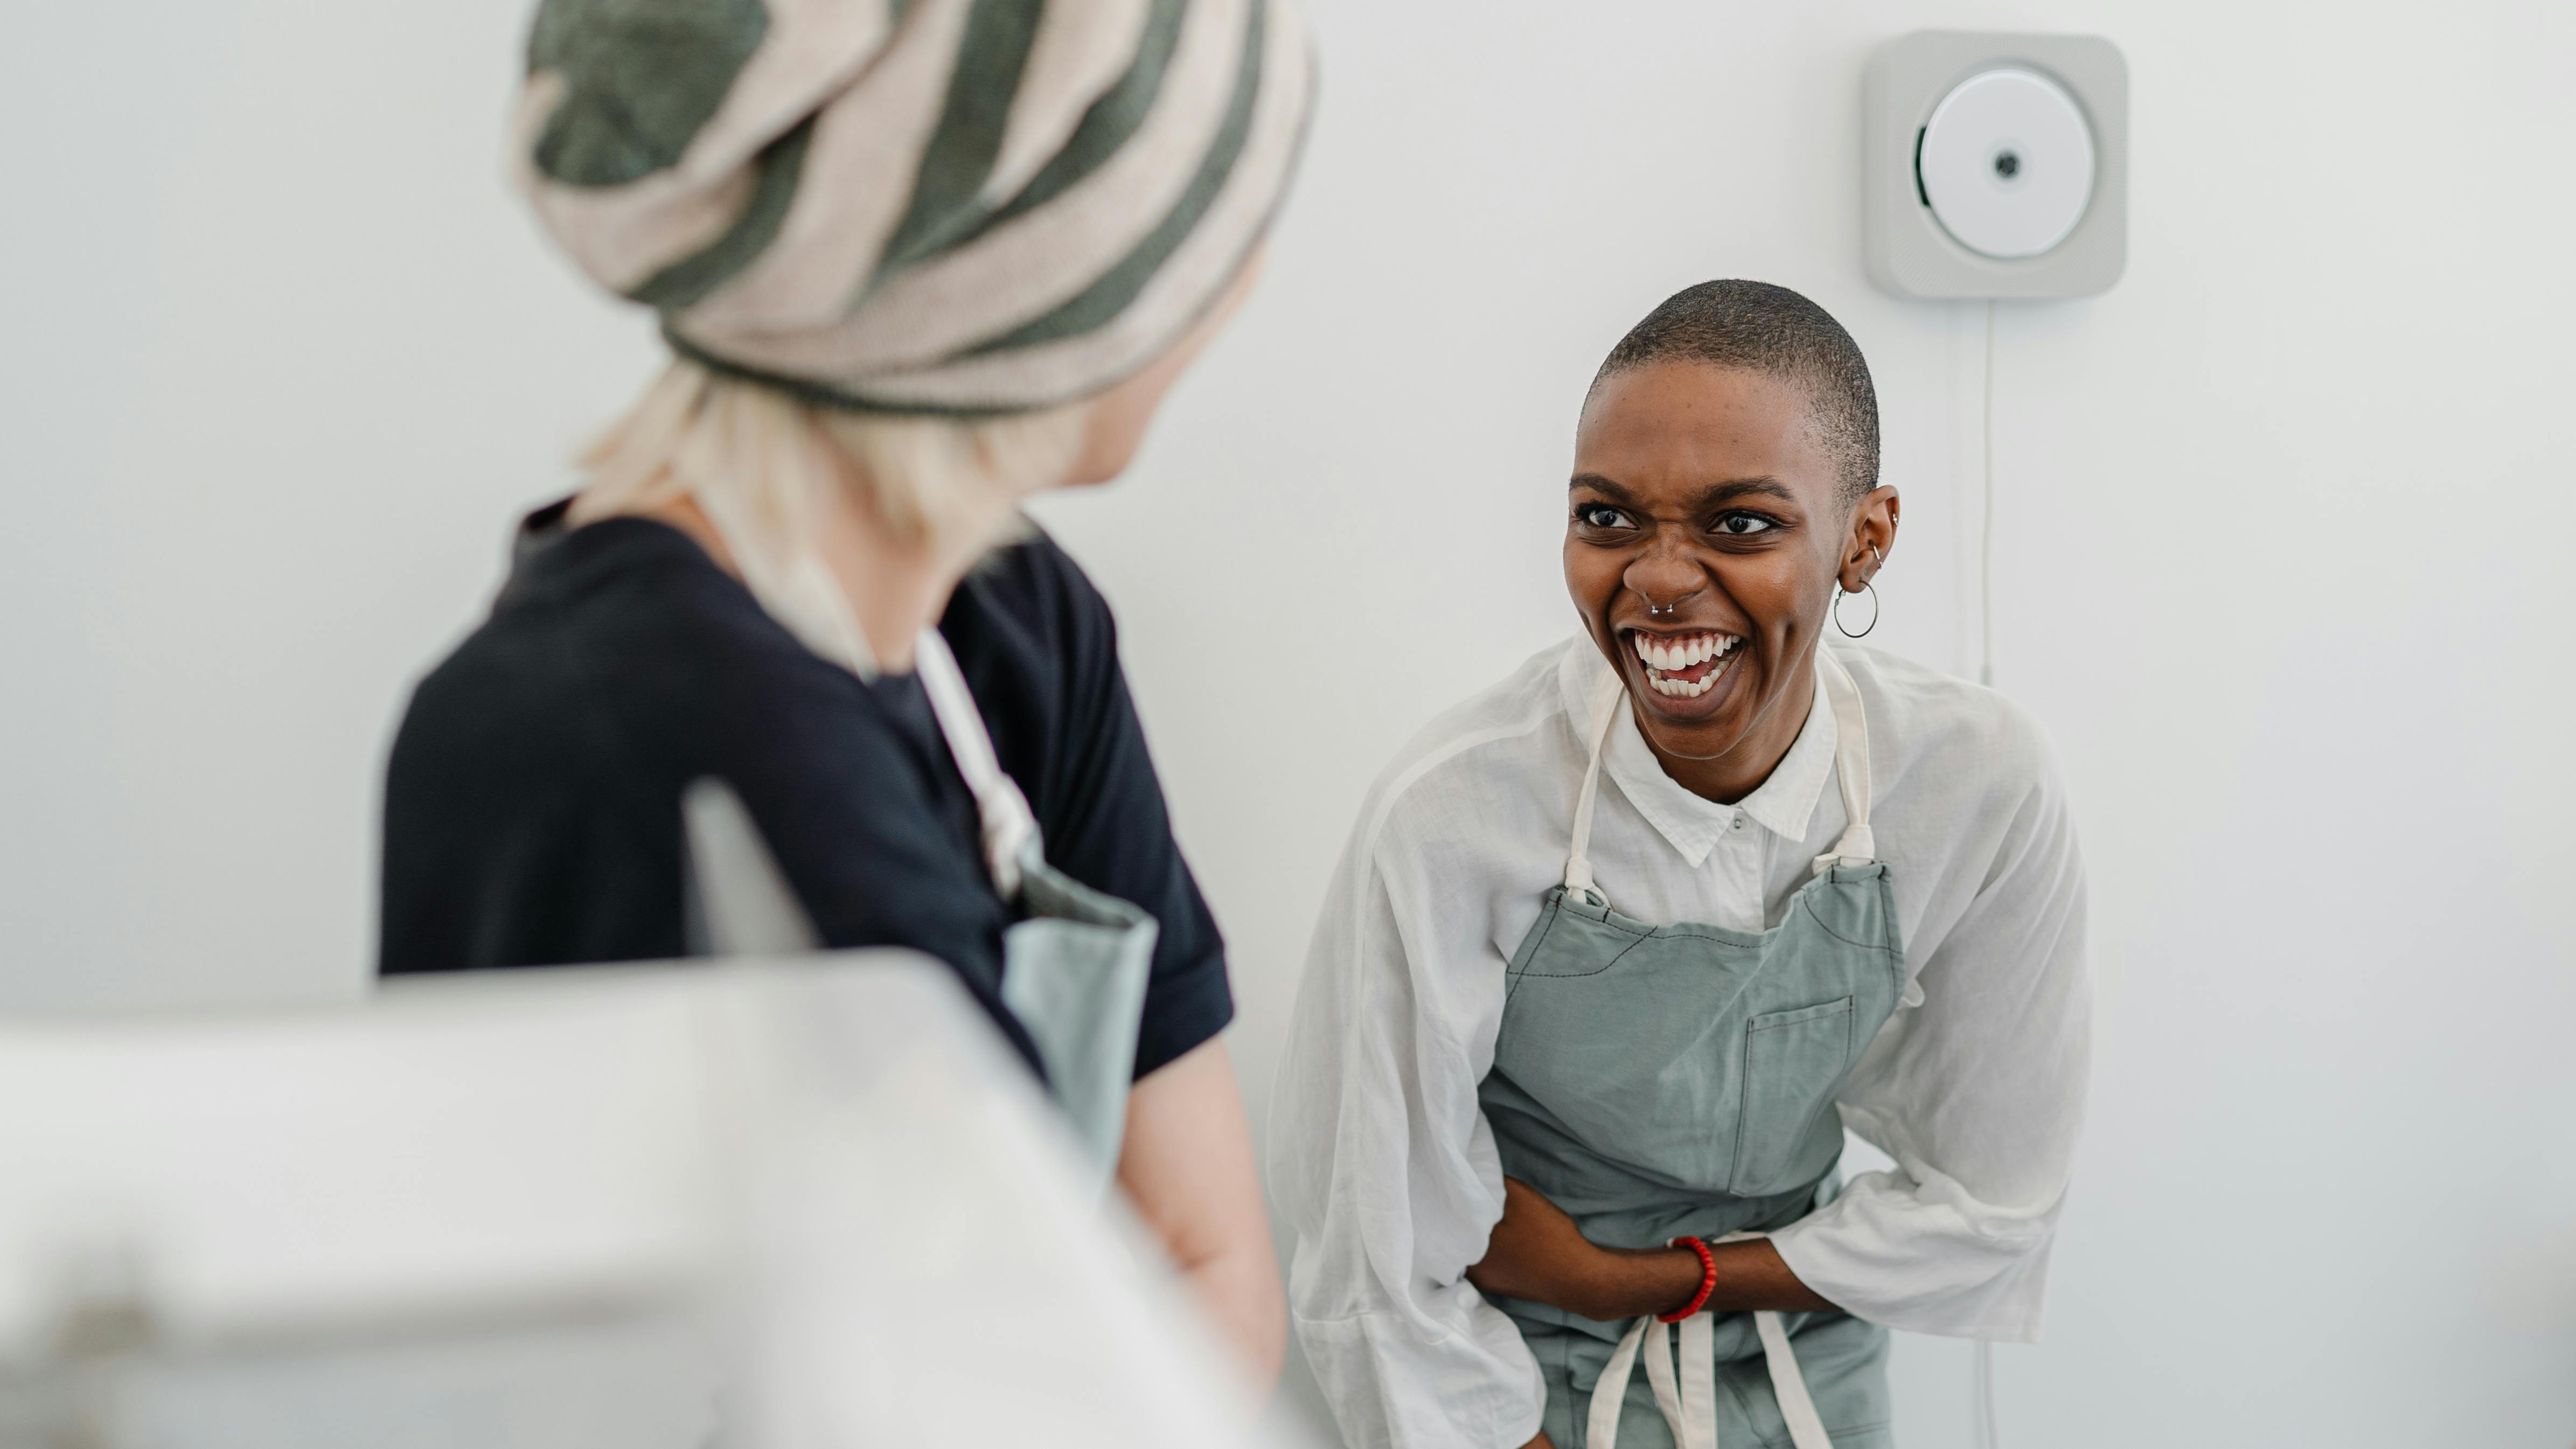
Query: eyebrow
column 1708, row 497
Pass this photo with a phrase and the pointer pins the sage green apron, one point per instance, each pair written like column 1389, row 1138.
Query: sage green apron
column 1074, row 966
column 1657, row 1081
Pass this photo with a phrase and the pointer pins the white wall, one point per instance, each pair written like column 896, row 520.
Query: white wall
column 2279, row 560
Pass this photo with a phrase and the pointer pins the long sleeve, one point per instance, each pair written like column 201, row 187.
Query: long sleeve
column 1978, row 1096
column 1386, row 1173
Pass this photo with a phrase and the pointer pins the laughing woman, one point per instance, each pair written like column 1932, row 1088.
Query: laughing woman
column 1623, row 945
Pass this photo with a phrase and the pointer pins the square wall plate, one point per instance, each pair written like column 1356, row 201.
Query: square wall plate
column 1996, row 164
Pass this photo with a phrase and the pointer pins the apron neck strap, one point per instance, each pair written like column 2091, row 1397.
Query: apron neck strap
column 1009, row 828
column 1578, row 859
column 1851, row 764
column 1851, row 768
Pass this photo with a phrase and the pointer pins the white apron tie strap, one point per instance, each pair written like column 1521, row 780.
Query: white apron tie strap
column 1806, row 1429
column 1009, row 827
column 1610, row 1391
column 1578, row 857
column 1690, row 1405
column 1851, row 764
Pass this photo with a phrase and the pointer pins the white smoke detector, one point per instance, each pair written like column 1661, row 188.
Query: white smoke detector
column 1996, row 165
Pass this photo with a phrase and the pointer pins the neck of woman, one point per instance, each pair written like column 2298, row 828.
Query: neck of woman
column 1741, row 768
column 899, row 584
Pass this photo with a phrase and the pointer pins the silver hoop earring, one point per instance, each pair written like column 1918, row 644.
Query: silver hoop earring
column 1839, row 596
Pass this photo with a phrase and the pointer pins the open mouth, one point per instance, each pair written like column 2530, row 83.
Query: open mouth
column 1683, row 666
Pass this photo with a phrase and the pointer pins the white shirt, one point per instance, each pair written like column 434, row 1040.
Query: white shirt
column 1381, row 1159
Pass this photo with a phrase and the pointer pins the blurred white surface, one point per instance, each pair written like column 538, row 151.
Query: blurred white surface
column 802, row 1204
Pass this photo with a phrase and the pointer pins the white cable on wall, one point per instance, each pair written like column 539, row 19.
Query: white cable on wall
column 1986, row 539
column 1983, row 1431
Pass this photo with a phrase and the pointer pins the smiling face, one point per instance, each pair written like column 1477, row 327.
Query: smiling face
column 1706, row 531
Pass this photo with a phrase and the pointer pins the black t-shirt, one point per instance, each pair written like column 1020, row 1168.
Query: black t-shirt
column 532, row 804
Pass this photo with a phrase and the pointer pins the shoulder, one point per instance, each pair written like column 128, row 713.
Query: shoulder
column 1038, row 645
column 1032, row 595
column 1035, row 567
column 1929, row 728
column 1499, row 743
column 623, row 641
column 1039, row 649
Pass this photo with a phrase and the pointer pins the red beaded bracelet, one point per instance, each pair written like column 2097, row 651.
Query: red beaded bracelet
column 1707, row 1280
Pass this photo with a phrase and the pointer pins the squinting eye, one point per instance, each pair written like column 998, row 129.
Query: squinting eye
column 1743, row 523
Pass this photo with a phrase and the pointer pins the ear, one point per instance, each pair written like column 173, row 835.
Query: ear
column 1871, row 539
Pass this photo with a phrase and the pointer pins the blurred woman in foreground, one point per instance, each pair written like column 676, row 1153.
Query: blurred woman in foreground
column 916, row 262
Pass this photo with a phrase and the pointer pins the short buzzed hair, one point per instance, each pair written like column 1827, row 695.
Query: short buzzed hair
column 1770, row 330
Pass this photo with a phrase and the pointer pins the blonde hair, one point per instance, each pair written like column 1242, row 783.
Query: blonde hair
column 761, row 464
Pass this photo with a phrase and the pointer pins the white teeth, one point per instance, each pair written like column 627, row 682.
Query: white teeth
column 1683, row 653
column 1663, row 657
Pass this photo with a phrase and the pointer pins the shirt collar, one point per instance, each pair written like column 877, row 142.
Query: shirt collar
column 1784, row 804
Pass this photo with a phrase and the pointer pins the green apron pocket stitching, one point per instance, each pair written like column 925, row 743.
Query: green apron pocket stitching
column 1793, row 1061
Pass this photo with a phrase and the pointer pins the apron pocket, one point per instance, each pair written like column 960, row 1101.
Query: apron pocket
column 1793, row 1063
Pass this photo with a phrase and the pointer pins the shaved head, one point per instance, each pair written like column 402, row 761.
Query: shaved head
column 1757, row 327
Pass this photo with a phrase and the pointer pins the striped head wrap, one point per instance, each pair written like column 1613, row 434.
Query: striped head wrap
column 969, row 207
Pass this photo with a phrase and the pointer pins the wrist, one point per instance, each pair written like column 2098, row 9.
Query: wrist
column 1700, row 1291
column 1627, row 1282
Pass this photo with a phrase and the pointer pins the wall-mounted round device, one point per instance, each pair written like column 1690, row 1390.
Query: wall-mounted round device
column 1997, row 165
column 2006, row 163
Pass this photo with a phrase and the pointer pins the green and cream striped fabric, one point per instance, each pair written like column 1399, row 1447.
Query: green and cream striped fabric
column 947, row 206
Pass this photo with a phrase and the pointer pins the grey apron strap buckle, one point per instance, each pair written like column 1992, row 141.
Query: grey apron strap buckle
column 1851, row 765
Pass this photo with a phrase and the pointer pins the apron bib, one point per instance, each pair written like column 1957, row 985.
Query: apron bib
column 1657, row 1081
